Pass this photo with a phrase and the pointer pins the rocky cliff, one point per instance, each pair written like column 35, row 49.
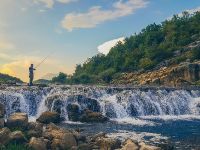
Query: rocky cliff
column 182, row 74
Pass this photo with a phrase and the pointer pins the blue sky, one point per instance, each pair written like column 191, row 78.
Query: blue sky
column 72, row 30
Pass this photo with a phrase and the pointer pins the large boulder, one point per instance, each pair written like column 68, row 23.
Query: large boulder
column 144, row 146
column 85, row 102
column 90, row 116
column 61, row 139
column 2, row 110
column 17, row 137
column 38, row 143
column 4, row 136
column 48, row 117
column 108, row 143
column 55, row 103
column 18, row 120
column 34, row 129
column 2, row 122
column 73, row 112
column 130, row 145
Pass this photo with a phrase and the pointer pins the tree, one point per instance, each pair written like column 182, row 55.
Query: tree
column 61, row 78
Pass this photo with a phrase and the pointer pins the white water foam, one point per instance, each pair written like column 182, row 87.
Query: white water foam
column 135, row 121
column 123, row 135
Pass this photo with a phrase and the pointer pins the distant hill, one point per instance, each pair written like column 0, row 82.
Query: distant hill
column 42, row 81
column 49, row 76
column 170, row 43
column 7, row 79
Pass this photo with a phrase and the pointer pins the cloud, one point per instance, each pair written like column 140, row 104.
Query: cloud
column 5, row 45
column 105, row 47
column 50, row 3
column 66, row 1
column 190, row 11
column 96, row 15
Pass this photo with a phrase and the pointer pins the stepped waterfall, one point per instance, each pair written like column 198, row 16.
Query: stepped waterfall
column 112, row 102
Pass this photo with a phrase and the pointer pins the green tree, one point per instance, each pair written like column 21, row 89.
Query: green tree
column 61, row 78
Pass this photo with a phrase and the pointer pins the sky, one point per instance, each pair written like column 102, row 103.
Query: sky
column 70, row 31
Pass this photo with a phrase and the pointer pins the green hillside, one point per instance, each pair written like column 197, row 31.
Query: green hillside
column 171, row 42
column 6, row 79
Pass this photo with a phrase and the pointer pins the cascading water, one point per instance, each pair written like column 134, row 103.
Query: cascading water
column 114, row 103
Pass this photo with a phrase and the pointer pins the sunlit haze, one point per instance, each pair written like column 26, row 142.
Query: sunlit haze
column 70, row 31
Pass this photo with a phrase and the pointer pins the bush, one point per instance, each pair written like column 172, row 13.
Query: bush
column 107, row 75
column 61, row 78
column 146, row 63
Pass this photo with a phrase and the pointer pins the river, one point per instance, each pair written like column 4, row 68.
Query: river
column 156, row 116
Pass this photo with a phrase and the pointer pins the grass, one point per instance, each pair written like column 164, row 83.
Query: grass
column 15, row 147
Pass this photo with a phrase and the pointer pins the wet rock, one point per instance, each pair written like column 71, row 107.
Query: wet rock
column 38, row 143
column 34, row 129
column 61, row 139
column 48, row 117
column 108, row 143
column 90, row 116
column 99, row 135
column 2, row 110
column 18, row 120
column 130, row 145
column 73, row 112
column 4, row 136
column 143, row 146
column 18, row 137
column 85, row 102
column 2, row 122
column 85, row 146
column 55, row 103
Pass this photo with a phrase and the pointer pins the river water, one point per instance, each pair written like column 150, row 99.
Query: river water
column 156, row 116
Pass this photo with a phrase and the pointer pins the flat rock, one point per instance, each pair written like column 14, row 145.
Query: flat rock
column 18, row 120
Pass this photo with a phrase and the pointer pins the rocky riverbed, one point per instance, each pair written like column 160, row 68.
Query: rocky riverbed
column 45, row 135
column 163, row 117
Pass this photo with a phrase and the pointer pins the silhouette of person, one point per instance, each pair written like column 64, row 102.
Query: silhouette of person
column 31, row 75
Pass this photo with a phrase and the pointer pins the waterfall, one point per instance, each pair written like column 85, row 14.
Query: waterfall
column 112, row 102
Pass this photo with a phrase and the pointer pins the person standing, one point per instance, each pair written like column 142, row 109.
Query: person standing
column 31, row 74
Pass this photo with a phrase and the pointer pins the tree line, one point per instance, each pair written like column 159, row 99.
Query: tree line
column 141, row 52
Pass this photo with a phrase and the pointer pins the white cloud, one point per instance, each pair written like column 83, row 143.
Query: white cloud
column 96, row 15
column 190, row 11
column 50, row 3
column 105, row 47
column 66, row 1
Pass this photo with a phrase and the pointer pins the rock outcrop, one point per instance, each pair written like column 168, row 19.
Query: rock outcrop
column 48, row 117
column 176, row 75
